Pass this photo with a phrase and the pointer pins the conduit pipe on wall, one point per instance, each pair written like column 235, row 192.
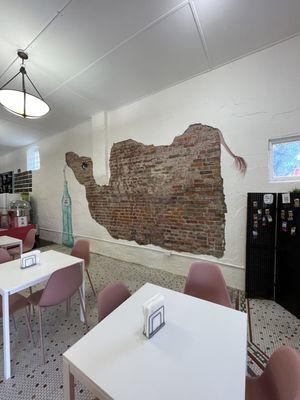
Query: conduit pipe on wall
column 141, row 247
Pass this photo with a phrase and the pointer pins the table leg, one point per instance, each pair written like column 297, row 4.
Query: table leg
column 82, row 290
column 21, row 248
column 6, row 340
column 69, row 392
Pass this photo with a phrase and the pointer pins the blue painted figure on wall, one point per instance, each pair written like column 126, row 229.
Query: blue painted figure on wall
column 66, row 205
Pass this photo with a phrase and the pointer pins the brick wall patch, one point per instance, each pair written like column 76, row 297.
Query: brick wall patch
column 170, row 196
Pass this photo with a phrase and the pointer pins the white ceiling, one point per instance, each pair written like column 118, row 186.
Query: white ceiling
column 100, row 54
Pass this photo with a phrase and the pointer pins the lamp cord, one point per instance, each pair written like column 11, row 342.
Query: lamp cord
column 23, row 72
column 33, row 40
column 5, row 84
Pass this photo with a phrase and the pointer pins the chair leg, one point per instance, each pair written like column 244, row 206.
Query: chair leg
column 41, row 333
column 68, row 306
column 14, row 321
column 88, row 274
column 27, row 317
column 84, row 313
column 31, row 305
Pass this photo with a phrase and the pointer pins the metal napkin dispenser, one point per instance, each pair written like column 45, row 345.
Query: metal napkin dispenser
column 154, row 315
column 30, row 259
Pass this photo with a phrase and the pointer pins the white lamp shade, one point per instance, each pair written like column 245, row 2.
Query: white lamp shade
column 13, row 101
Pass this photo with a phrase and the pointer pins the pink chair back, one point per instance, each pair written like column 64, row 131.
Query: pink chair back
column 81, row 249
column 206, row 282
column 61, row 285
column 280, row 380
column 29, row 240
column 4, row 256
column 284, row 371
column 110, row 298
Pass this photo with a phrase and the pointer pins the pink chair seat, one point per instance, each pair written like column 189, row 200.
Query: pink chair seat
column 205, row 281
column 81, row 250
column 111, row 297
column 280, row 380
column 16, row 302
column 259, row 391
column 61, row 286
column 4, row 256
column 35, row 297
column 27, row 245
column 14, row 251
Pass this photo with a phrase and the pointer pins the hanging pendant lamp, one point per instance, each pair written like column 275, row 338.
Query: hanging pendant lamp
column 20, row 102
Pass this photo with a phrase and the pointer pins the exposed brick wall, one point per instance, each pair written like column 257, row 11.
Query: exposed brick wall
column 170, row 196
column 23, row 182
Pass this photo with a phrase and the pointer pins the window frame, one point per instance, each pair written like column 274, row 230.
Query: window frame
column 30, row 152
column 286, row 139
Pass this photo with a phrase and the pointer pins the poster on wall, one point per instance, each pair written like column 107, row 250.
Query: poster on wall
column 7, row 182
column 66, row 204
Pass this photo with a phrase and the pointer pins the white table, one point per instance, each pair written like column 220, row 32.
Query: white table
column 199, row 354
column 13, row 279
column 9, row 241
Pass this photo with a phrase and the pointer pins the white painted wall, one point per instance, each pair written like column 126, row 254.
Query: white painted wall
column 48, row 181
column 251, row 100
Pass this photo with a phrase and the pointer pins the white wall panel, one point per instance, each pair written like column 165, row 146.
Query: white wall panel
column 234, row 28
column 167, row 52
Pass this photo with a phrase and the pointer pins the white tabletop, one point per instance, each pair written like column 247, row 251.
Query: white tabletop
column 14, row 279
column 199, row 354
column 8, row 240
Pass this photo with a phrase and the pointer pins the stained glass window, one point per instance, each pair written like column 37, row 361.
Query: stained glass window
column 285, row 159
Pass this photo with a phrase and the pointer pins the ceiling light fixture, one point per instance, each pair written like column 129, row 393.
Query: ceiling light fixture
column 20, row 102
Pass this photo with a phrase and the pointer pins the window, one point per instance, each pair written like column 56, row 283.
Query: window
column 33, row 159
column 284, row 157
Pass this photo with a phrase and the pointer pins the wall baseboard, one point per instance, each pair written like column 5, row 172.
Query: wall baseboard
column 169, row 261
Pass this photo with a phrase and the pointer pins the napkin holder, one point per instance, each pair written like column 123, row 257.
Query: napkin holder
column 154, row 315
column 30, row 259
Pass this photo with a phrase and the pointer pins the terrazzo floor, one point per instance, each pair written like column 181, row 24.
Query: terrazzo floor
column 269, row 327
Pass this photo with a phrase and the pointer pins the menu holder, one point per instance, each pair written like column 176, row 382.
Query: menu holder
column 154, row 315
column 30, row 259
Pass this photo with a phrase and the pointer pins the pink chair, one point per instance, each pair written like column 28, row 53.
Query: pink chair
column 206, row 282
column 27, row 244
column 4, row 256
column 81, row 249
column 61, row 286
column 280, row 380
column 111, row 297
column 16, row 301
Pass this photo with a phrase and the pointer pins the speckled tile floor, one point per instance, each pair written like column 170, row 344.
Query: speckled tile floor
column 270, row 327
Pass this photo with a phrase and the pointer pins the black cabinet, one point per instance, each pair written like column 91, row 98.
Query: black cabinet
column 273, row 248
column 287, row 289
column 260, row 250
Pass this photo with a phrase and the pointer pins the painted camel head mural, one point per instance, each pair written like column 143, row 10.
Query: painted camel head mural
column 170, row 196
column 83, row 170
